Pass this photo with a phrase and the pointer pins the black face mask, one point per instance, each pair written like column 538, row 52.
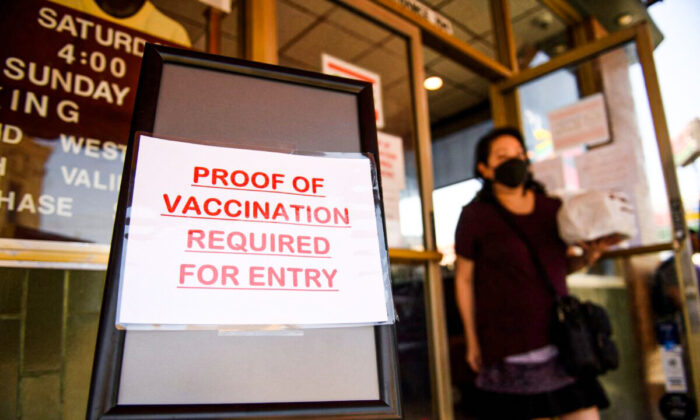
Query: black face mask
column 511, row 173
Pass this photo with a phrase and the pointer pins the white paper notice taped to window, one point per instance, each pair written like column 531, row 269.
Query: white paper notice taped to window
column 550, row 172
column 221, row 236
column 337, row 67
column 583, row 122
column 609, row 167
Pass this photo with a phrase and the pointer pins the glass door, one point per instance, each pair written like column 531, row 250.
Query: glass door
column 594, row 120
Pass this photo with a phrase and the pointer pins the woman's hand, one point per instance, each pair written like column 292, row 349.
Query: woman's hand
column 592, row 250
column 473, row 357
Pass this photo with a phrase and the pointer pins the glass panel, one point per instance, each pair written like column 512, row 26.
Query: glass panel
column 624, row 386
column 455, row 185
column 357, row 47
column 641, row 296
column 681, row 94
column 412, row 333
column 231, row 32
column 471, row 22
column 309, row 29
column 535, row 27
column 448, row 202
column 537, row 32
column 627, row 161
column 189, row 15
column 571, row 157
column 459, row 116
column 69, row 83
column 586, row 151
column 463, row 92
column 192, row 16
column 463, row 390
column 48, row 324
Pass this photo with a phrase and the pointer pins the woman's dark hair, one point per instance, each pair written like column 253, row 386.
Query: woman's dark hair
column 483, row 149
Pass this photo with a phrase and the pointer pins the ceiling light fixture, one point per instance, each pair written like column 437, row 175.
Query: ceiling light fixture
column 432, row 83
column 559, row 48
column 543, row 21
column 624, row 19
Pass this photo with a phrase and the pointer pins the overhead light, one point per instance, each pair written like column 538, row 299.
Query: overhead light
column 433, row 83
column 559, row 48
column 624, row 19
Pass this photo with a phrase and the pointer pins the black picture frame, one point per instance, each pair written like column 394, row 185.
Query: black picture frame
column 104, row 390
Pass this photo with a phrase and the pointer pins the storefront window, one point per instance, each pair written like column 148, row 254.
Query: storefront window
column 69, row 71
column 69, row 80
column 326, row 37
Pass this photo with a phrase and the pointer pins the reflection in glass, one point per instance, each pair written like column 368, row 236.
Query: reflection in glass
column 309, row 29
column 192, row 16
column 411, row 330
column 462, row 93
column 677, row 75
column 628, row 162
column 455, row 184
column 66, row 107
column 448, row 202
column 625, row 385
column 470, row 21
column 538, row 32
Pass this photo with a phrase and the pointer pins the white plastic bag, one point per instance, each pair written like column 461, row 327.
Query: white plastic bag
column 592, row 215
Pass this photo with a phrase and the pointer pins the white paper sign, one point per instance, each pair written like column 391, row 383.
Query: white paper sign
column 393, row 170
column 337, row 67
column 391, row 199
column 584, row 122
column 609, row 167
column 391, row 161
column 550, row 172
column 222, row 236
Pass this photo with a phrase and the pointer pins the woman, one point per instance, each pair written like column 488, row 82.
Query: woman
column 505, row 305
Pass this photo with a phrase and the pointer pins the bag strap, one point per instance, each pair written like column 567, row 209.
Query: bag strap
column 508, row 219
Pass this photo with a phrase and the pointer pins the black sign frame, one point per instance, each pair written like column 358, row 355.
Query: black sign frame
column 104, row 390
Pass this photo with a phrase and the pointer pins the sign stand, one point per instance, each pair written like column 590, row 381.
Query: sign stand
column 326, row 372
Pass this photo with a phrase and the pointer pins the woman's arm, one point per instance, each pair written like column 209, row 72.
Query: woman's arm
column 464, row 292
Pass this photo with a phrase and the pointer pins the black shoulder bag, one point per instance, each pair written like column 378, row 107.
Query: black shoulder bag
column 581, row 330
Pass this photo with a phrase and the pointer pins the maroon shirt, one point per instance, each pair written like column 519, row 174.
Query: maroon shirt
column 513, row 304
